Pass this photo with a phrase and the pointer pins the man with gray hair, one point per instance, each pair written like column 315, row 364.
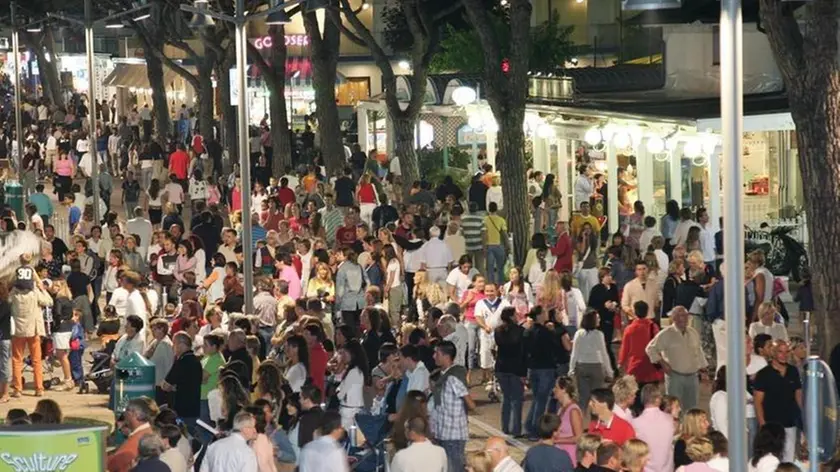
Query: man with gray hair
column 436, row 257
column 656, row 428
column 236, row 352
column 136, row 417
column 148, row 455
column 678, row 350
column 233, row 454
column 456, row 333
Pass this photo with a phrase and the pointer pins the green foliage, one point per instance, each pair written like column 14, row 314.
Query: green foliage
column 430, row 163
column 551, row 47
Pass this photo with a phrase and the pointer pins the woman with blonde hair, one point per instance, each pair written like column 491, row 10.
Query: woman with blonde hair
column 322, row 285
column 695, row 424
column 635, row 455
column 551, row 296
column 700, row 450
column 766, row 323
column 624, row 390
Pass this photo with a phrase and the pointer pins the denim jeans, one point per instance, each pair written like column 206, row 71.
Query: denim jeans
column 473, row 331
column 5, row 361
column 513, row 392
column 455, row 453
column 542, row 383
column 496, row 263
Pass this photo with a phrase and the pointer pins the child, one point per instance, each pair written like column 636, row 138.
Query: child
column 77, row 350
column 253, row 346
column 264, row 259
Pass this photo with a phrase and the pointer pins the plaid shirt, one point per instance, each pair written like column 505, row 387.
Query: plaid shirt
column 449, row 419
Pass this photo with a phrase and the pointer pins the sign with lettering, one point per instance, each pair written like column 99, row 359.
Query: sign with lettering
column 266, row 42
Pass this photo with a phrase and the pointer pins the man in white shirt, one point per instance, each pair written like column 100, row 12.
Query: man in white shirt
column 436, row 257
column 51, row 151
column 415, row 369
column 421, row 455
column 228, row 248
column 233, row 452
column 685, row 224
column 324, row 453
column 500, row 456
column 456, row 333
column 141, row 227
column 135, row 305
column 707, row 237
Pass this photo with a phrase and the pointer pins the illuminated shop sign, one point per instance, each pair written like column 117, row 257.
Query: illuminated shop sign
column 266, row 42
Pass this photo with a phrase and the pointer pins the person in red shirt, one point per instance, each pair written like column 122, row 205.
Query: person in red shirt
column 632, row 357
column 179, row 162
column 609, row 426
column 562, row 249
column 318, row 356
column 345, row 236
column 285, row 194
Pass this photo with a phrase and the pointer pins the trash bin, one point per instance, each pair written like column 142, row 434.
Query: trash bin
column 14, row 198
column 134, row 377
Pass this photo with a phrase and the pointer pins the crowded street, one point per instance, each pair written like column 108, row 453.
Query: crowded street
column 331, row 235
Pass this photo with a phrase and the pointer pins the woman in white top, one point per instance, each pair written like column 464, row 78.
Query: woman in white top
column 297, row 355
column 518, row 293
column 767, row 323
column 536, row 274
column 214, row 283
column 200, row 259
column 762, row 278
column 718, row 405
column 198, row 188
column 575, row 304
column 351, row 389
column 769, row 447
column 132, row 341
column 589, row 363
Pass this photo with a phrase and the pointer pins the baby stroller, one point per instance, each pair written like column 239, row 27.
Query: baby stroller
column 100, row 372
column 372, row 456
column 47, row 363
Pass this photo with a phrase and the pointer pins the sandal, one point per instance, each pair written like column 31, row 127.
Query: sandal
column 5, row 399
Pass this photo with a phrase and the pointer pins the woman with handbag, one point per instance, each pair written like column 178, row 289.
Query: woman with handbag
column 496, row 245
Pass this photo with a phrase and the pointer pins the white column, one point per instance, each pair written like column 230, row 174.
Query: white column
column 541, row 154
column 563, row 177
column 363, row 128
column 612, row 188
column 714, row 189
column 491, row 149
column 389, row 133
column 676, row 174
column 644, row 172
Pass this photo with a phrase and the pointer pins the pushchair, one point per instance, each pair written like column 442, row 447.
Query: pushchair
column 100, row 372
column 48, row 362
column 372, row 456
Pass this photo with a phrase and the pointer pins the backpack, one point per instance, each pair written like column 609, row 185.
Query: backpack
column 98, row 264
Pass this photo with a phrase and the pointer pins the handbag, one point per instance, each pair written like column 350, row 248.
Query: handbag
column 503, row 236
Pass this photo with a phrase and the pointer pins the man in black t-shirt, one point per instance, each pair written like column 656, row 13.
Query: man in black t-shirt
column 183, row 382
column 778, row 396
column 344, row 189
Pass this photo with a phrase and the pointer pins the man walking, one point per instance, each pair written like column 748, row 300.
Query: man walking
column 449, row 405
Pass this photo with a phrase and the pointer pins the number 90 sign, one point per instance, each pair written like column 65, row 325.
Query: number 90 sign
column 267, row 42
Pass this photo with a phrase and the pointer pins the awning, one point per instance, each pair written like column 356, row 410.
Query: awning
column 135, row 76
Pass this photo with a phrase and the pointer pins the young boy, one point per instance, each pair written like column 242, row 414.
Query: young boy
column 77, row 350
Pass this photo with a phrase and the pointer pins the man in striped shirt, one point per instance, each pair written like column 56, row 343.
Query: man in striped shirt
column 473, row 229
column 331, row 217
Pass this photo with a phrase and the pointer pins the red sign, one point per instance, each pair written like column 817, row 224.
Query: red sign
column 505, row 65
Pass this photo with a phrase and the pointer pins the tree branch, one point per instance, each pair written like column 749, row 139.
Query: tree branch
column 784, row 36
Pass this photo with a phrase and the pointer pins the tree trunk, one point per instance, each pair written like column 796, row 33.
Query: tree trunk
column 510, row 160
column 205, row 93
column 329, row 127
column 228, row 140
column 405, row 145
column 324, row 59
column 281, row 141
column 50, row 80
column 51, row 70
column 154, row 72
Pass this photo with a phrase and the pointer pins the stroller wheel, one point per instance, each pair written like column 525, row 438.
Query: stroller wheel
column 492, row 397
column 55, row 382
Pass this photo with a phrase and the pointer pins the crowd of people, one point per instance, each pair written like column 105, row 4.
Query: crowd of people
column 371, row 302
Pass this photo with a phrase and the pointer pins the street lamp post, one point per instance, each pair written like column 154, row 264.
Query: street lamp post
column 88, row 23
column 240, row 19
column 18, row 120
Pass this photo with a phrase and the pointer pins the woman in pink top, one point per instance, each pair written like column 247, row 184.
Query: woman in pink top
column 262, row 446
column 64, row 169
column 571, row 419
column 236, row 196
column 473, row 295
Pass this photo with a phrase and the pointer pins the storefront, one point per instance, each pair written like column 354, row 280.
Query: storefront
column 129, row 82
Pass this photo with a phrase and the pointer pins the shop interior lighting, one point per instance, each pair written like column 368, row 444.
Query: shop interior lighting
column 491, row 126
column 710, row 144
column 475, row 122
column 403, row 64
column 142, row 17
column 545, row 131
column 621, row 139
column 365, row 5
column 655, row 145
column 693, row 148
column 594, row 136
column 464, row 96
